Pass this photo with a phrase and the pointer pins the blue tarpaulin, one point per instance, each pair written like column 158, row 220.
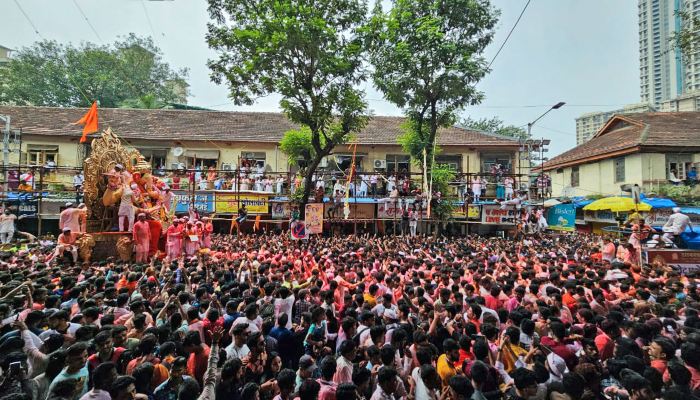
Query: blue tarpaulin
column 690, row 210
column 659, row 203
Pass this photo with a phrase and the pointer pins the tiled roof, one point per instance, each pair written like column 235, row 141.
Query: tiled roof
column 215, row 126
column 632, row 133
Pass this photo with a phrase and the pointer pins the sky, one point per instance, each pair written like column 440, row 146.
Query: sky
column 582, row 52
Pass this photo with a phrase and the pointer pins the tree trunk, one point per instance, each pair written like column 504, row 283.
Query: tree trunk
column 308, row 185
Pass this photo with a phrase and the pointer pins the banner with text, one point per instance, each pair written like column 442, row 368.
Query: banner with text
column 493, row 215
column 562, row 217
column 203, row 202
column 313, row 217
column 682, row 260
column 227, row 203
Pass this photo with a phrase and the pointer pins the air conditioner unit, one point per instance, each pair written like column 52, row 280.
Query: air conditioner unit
column 379, row 164
column 323, row 163
column 226, row 167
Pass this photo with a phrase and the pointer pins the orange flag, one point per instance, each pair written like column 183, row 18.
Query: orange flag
column 257, row 223
column 89, row 122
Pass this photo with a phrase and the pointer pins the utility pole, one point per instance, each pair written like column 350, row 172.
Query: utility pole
column 5, row 149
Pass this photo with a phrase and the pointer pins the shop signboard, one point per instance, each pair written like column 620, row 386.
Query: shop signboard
column 203, row 202
column 227, row 203
column 682, row 260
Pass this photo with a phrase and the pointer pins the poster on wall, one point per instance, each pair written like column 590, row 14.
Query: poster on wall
column 473, row 212
column 297, row 230
column 204, row 203
column 393, row 209
column 494, row 215
column 314, row 218
column 227, row 203
column 357, row 211
column 280, row 210
column 562, row 217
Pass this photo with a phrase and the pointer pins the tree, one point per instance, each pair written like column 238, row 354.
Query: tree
column 427, row 60
column 687, row 38
column 310, row 53
column 52, row 74
column 494, row 125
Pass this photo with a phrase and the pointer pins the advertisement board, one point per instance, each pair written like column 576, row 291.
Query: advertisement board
column 682, row 260
column 227, row 203
column 314, row 218
column 659, row 216
column 562, row 217
column 357, row 211
column 280, row 210
column 393, row 209
column 494, row 215
column 203, row 202
column 473, row 212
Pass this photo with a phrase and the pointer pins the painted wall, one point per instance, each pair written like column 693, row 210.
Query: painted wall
column 598, row 178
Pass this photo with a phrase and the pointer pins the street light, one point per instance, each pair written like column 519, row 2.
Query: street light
column 554, row 107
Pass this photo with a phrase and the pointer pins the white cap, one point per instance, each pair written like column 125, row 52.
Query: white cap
column 676, row 209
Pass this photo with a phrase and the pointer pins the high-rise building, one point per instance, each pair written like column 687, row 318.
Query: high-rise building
column 664, row 72
column 587, row 125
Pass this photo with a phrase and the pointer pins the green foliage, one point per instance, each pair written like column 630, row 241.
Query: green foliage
column 494, row 125
column 687, row 38
column 148, row 101
column 52, row 74
column 310, row 53
column 594, row 197
column 442, row 176
column 679, row 194
column 427, row 60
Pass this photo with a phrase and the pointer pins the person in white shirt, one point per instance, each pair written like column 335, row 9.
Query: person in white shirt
column 238, row 348
column 251, row 318
column 676, row 224
column 7, row 226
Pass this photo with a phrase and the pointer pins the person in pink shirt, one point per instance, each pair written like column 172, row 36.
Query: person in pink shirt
column 207, row 230
column 142, row 238
column 328, row 386
column 173, row 245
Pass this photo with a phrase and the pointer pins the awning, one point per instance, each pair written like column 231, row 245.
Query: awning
column 203, row 154
column 690, row 210
column 45, row 147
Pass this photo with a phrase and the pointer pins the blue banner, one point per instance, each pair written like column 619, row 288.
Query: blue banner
column 562, row 217
column 203, row 202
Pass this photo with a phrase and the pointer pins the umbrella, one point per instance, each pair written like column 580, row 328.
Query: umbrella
column 616, row 204
column 551, row 203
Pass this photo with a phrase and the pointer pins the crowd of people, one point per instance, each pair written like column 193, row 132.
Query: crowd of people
column 352, row 317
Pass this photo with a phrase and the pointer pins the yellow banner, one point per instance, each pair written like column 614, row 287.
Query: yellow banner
column 227, row 203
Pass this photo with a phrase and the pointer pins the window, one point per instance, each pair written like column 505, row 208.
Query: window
column 680, row 164
column 42, row 154
column 256, row 158
column 156, row 157
column 397, row 163
column 574, row 177
column 453, row 162
column 490, row 159
column 619, row 169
